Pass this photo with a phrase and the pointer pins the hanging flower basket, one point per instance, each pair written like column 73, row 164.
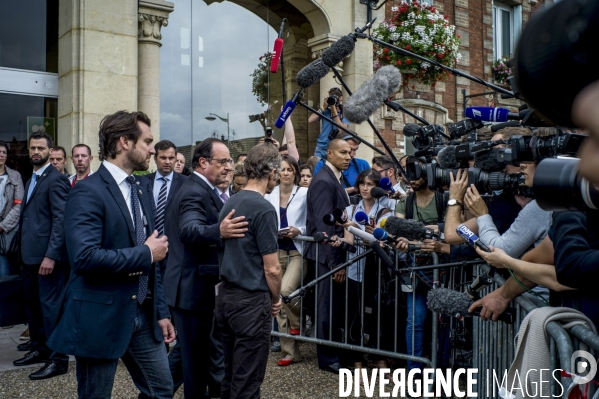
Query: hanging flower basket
column 501, row 71
column 421, row 29
column 260, row 81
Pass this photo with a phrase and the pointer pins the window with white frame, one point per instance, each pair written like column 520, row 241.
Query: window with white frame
column 507, row 25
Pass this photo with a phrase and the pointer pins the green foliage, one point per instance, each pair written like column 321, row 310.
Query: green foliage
column 260, row 81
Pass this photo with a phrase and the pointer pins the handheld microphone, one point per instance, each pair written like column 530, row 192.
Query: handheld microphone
column 329, row 219
column 366, row 237
column 338, row 51
column 278, row 49
column 452, row 303
column 382, row 235
column 288, row 109
column 378, row 192
column 490, row 114
column 361, row 218
column 311, row 73
column 382, row 255
column 471, row 238
column 323, row 238
column 386, row 184
column 371, row 95
column 407, row 228
column 340, row 216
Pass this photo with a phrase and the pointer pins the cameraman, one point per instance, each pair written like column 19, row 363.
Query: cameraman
column 328, row 131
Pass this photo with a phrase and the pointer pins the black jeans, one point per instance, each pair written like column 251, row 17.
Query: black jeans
column 244, row 319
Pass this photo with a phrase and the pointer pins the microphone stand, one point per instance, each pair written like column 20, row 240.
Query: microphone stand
column 301, row 292
column 360, row 34
column 283, row 63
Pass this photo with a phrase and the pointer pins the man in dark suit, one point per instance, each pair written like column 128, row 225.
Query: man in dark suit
column 325, row 194
column 45, row 267
column 114, row 303
column 192, row 270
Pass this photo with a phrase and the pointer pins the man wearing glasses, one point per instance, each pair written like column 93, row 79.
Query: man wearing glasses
column 192, row 269
column 332, row 107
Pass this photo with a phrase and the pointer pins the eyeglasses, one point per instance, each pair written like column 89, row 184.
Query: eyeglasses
column 222, row 161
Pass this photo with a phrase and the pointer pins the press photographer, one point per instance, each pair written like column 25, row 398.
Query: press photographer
column 332, row 107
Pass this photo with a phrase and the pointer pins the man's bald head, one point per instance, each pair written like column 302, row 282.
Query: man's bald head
column 338, row 154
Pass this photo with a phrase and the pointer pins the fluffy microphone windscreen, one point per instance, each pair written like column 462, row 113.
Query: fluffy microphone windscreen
column 407, row 228
column 448, row 302
column 446, row 158
column 369, row 97
column 378, row 192
column 411, row 129
column 487, row 160
column 338, row 51
column 311, row 73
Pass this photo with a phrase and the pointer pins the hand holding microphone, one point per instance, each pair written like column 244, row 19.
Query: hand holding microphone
column 497, row 257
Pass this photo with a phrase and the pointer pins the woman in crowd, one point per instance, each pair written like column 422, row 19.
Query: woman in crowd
column 306, row 172
column 11, row 196
column 289, row 199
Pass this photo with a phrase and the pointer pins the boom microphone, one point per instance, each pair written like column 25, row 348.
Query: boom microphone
column 288, row 109
column 446, row 158
column 338, row 51
column 311, row 73
column 277, row 49
column 490, row 114
column 371, row 95
column 471, row 238
column 452, row 303
column 386, row 184
column 411, row 129
column 323, row 238
column 361, row 218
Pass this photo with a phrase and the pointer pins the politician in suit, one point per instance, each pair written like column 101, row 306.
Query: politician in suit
column 114, row 303
column 192, row 270
column 325, row 194
column 43, row 256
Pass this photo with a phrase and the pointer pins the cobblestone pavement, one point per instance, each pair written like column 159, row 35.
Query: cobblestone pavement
column 299, row 381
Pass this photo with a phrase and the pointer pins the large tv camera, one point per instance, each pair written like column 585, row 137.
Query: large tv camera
column 535, row 148
column 424, row 137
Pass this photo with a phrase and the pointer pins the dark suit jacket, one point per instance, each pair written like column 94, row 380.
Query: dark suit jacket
column 192, row 269
column 101, row 297
column 41, row 224
column 177, row 182
column 324, row 194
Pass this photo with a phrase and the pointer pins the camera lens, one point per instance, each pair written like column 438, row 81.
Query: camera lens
column 332, row 100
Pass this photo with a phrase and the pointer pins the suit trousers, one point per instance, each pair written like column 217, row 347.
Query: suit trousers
column 43, row 301
column 145, row 359
column 291, row 266
column 244, row 319
column 193, row 334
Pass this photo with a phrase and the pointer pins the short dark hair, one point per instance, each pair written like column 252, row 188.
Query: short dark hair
column 367, row 174
column 89, row 150
column 240, row 155
column 306, row 166
column 59, row 148
column 3, row 144
column 117, row 125
column 283, row 148
column 164, row 145
column 41, row 135
column 335, row 90
column 294, row 165
column 203, row 150
column 385, row 162
column 261, row 160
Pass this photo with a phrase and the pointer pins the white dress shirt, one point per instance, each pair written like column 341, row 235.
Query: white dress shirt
column 120, row 176
column 158, row 185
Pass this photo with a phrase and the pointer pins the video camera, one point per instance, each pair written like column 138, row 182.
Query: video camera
column 535, row 148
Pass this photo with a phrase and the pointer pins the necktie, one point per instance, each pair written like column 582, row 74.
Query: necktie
column 161, row 206
column 32, row 186
column 224, row 197
column 140, row 235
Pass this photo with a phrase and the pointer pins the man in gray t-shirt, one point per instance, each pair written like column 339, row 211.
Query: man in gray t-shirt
column 249, row 295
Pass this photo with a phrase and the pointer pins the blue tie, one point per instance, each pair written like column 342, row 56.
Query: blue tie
column 31, row 186
column 161, row 206
column 140, row 235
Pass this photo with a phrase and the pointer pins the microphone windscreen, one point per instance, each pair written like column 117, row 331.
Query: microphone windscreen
column 386, row 184
column 329, row 220
column 339, row 215
column 407, row 228
column 380, row 234
column 448, row 302
column 338, row 51
column 361, row 217
column 487, row 160
column 446, row 158
column 369, row 97
column 411, row 129
column 378, row 192
column 319, row 237
column 311, row 73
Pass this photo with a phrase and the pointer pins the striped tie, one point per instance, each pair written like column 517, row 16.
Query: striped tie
column 161, row 206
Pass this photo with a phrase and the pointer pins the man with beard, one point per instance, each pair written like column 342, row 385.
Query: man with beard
column 249, row 295
column 114, row 304
column 44, row 260
column 192, row 270
column 428, row 207
column 82, row 157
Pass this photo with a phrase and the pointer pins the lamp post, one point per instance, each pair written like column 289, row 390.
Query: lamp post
column 213, row 117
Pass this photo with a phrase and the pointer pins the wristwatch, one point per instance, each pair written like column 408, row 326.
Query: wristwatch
column 453, row 201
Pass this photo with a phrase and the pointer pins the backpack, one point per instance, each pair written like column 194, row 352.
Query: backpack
column 439, row 200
